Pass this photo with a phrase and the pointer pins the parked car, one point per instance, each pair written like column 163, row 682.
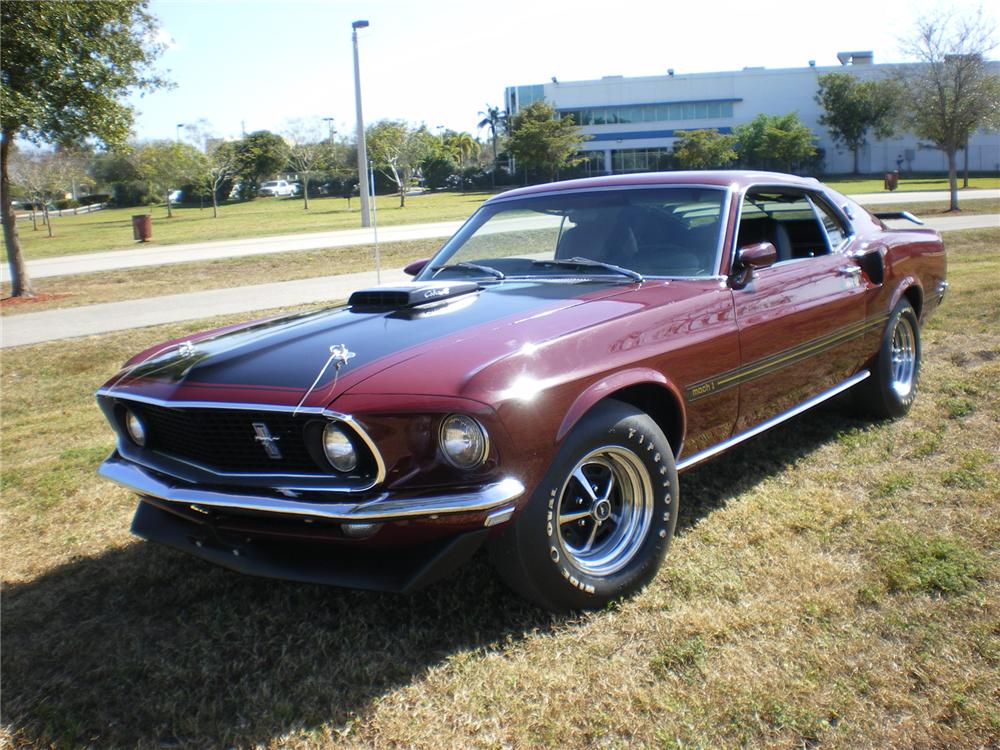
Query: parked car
column 276, row 187
column 175, row 196
column 537, row 388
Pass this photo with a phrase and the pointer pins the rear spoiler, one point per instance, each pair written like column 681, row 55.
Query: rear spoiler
column 884, row 215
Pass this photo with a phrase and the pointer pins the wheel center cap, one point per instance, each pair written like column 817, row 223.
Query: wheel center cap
column 602, row 510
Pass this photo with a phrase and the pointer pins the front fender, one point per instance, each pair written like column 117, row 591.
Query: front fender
column 615, row 382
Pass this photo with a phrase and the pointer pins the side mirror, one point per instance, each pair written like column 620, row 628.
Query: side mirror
column 416, row 267
column 749, row 258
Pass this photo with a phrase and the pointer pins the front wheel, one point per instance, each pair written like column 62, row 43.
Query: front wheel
column 600, row 523
column 892, row 387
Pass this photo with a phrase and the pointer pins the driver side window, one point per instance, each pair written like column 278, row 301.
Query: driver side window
column 797, row 226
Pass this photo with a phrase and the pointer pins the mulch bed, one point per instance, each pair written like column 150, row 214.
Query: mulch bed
column 11, row 301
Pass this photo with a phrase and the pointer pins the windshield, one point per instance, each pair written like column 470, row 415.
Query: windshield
column 670, row 231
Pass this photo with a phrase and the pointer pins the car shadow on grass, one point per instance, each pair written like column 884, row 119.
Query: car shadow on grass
column 146, row 647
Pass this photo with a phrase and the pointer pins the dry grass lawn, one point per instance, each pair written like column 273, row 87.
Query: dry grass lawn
column 833, row 584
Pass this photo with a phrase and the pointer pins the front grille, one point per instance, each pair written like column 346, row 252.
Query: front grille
column 225, row 439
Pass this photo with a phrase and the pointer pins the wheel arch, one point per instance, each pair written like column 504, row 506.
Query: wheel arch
column 647, row 390
column 911, row 291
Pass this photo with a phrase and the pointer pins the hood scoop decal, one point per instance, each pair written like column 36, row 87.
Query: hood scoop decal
column 407, row 295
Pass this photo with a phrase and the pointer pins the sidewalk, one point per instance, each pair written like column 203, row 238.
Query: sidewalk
column 70, row 265
column 50, row 325
column 168, row 254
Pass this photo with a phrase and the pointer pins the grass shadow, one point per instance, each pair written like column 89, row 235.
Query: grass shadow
column 145, row 647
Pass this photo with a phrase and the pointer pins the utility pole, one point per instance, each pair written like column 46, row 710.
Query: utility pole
column 362, row 149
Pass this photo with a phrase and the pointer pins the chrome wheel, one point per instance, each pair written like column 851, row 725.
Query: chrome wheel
column 904, row 357
column 604, row 511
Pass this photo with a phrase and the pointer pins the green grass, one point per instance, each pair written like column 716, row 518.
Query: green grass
column 833, row 583
column 112, row 228
column 868, row 184
column 940, row 208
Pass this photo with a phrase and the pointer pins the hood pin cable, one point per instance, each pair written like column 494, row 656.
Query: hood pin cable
column 339, row 354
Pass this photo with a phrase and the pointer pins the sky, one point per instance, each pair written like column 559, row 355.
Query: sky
column 249, row 65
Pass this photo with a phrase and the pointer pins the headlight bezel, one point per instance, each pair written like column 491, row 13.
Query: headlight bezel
column 480, row 441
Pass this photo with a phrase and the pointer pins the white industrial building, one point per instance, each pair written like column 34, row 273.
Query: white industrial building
column 633, row 121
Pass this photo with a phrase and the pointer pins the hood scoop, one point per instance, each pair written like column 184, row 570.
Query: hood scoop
column 407, row 295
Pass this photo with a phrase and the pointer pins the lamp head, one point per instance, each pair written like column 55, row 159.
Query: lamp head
column 359, row 25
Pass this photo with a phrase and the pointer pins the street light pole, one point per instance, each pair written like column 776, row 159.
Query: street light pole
column 329, row 124
column 177, row 132
column 362, row 149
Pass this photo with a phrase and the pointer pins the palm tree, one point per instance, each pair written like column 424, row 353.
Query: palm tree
column 493, row 119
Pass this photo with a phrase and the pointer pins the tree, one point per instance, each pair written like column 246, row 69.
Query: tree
column 543, row 142
column 223, row 164
column 309, row 152
column 703, row 149
column 44, row 176
column 774, row 142
column 64, row 68
column 261, row 155
column 853, row 108
column 493, row 119
column 166, row 165
column 952, row 93
column 396, row 149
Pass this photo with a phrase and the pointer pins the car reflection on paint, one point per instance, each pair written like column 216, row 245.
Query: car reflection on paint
column 536, row 389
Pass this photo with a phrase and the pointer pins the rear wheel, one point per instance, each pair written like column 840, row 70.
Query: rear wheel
column 600, row 523
column 892, row 387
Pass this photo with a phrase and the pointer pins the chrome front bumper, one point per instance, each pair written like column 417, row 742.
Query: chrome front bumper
column 496, row 499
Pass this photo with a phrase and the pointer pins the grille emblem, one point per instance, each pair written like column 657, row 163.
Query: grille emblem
column 265, row 438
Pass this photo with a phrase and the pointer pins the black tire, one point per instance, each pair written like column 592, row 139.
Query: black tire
column 892, row 387
column 615, row 530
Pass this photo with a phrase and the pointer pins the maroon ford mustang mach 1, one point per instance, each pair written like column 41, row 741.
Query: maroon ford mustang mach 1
column 536, row 389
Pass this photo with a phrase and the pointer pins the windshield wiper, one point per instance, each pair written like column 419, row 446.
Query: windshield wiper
column 473, row 267
column 588, row 263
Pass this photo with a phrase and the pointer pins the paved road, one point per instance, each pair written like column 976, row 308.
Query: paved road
column 168, row 254
column 50, row 325
column 199, row 251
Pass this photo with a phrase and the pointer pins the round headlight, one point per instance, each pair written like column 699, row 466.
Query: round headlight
column 135, row 428
column 339, row 449
column 463, row 441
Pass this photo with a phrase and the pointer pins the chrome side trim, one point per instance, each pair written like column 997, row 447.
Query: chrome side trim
column 708, row 453
column 381, row 508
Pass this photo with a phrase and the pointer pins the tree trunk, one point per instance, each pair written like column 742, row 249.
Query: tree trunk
column 20, row 282
column 965, row 170
column 305, row 191
column 953, row 178
column 46, row 217
column 856, row 149
column 34, row 216
column 215, row 202
column 493, row 172
column 402, row 195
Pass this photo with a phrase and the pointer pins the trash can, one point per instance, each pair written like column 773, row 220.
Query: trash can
column 891, row 180
column 142, row 227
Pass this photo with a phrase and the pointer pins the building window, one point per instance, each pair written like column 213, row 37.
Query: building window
column 642, row 112
column 640, row 159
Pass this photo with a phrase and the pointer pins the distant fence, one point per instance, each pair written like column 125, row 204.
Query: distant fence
column 63, row 211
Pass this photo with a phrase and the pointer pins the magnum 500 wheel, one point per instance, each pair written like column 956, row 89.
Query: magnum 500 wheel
column 890, row 390
column 600, row 523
